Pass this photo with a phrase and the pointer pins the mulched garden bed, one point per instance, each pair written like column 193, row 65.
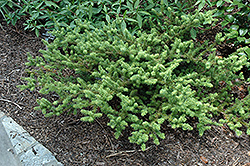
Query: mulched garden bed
column 74, row 142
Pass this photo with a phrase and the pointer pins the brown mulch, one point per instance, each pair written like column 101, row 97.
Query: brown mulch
column 79, row 143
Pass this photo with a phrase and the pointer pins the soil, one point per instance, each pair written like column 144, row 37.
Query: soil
column 76, row 143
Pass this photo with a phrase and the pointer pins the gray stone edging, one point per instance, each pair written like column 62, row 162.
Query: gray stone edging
column 29, row 151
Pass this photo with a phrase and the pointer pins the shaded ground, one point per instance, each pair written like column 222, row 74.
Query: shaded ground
column 78, row 143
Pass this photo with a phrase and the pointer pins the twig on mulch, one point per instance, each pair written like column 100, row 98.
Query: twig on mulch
column 2, row 27
column 235, row 163
column 58, row 132
column 33, row 38
column 11, row 102
column 112, row 146
column 126, row 151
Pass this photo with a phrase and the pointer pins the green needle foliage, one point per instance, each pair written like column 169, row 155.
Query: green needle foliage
column 142, row 79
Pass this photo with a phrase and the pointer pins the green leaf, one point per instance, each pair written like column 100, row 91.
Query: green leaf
column 166, row 2
column 241, row 5
column 124, row 14
column 37, row 7
column 193, row 33
column 247, row 41
column 139, row 19
column 149, row 6
column 156, row 141
column 208, row 65
column 37, row 32
column 143, row 147
column 224, row 23
column 238, row 132
column 107, row 18
column 243, row 31
column 161, row 120
column 219, row 3
column 248, row 131
column 144, row 13
column 230, row 9
column 50, row 3
column 241, row 39
column 131, row 19
column 117, row 134
column 197, row 2
column 229, row 18
column 35, row 15
column 87, row 119
column 123, row 26
column 208, row 1
column 90, row 13
column 96, row 10
column 236, row 2
column 219, row 13
column 201, row 5
column 201, row 132
column 105, row 9
column 161, row 135
column 130, row 6
column 232, row 34
column 247, row 50
column 118, row 10
column 234, row 27
column 137, row 4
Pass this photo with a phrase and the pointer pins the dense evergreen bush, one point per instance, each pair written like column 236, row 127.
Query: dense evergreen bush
column 141, row 79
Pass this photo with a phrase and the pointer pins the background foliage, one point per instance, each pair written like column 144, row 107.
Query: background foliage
column 45, row 14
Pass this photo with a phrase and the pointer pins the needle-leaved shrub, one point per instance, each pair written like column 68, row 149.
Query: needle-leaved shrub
column 141, row 80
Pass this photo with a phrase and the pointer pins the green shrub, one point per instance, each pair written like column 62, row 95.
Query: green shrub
column 236, row 14
column 133, row 14
column 235, row 17
column 140, row 79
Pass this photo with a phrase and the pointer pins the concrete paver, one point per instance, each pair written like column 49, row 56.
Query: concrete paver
column 18, row 148
column 19, row 138
column 37, row 155
column 8, row 155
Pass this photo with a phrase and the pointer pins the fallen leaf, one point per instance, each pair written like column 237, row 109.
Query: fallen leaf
column 204, row 159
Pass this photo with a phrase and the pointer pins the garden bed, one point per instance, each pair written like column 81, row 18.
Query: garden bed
column 74, row 142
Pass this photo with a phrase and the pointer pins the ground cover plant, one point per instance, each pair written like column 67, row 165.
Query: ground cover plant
column 143, row 79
